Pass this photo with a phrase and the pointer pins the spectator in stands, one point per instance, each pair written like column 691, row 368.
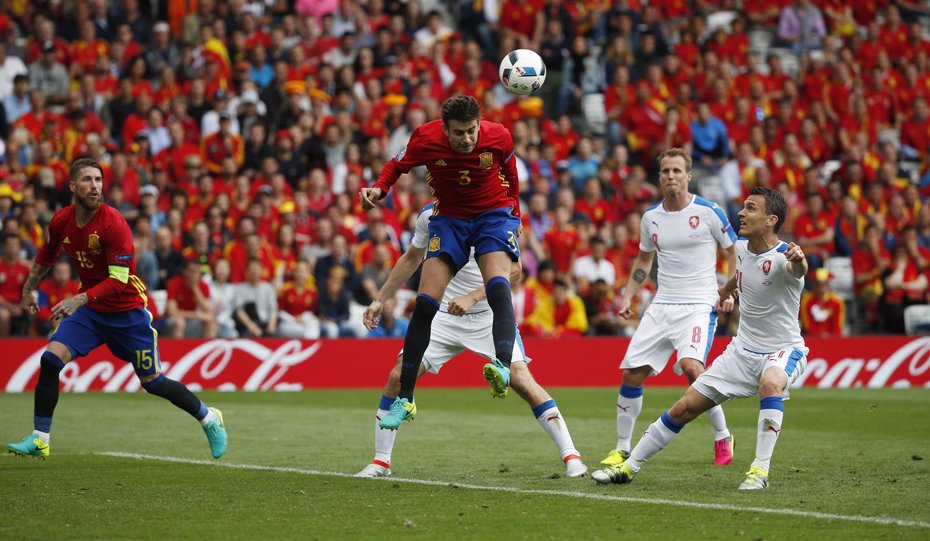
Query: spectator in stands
column 711, row 145
column 333, row 305
column 11, row 66
column 375, row 273
column 904, row 285
column 814, row 231
column 170, row 260
column 189, row 311
column 256, row 304
column 297, row 302
column 337, row 258
column 223, row 299
column 823, row 312
column 923, row 226
column 569, row 316
column 16, row 103
column 54, row 289
column 594, row 267
column 146, row 261
column 601, row 310
column 13, row 273
column 801, row 26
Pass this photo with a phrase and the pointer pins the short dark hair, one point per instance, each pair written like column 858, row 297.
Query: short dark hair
column 460, row 109
column 774, row 204
column 81, row 163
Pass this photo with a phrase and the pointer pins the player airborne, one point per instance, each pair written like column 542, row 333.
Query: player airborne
column 110, row 309
column 767, row 355
column 472, row 175
column 463, row 322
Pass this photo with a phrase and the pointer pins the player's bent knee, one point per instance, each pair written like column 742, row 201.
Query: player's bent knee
column 150, row 381
column 59, row 350
column 635, row 377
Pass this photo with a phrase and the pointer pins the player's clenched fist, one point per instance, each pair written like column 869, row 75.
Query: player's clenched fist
column 369, row 197
column 794, row 252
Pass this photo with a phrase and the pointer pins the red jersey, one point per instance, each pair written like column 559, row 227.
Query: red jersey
column 822, row 316
column 105, row 242
column 297, row 302
column 12, row 277
column 464, row 185
column 183, row 295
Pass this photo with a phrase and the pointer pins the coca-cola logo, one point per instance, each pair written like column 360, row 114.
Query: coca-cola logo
column 205, row 366
column 909, row 366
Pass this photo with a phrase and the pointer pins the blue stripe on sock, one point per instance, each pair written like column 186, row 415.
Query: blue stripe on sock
column 386, row 402
column 541, row 408
column 42, row 424
column 202, row 412
column 428, row 299
column 54, row 359
column 772, row 403
column 495, row 280
column 670, row 424
column 628, row 391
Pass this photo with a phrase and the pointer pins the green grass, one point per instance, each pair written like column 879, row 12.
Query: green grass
column 852, row 453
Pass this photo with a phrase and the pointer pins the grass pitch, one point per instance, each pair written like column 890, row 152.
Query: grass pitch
column 850, row 464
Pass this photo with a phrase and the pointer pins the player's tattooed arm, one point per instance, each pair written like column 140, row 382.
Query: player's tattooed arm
column 68, row 306
column 639, row 276
column 32, row 281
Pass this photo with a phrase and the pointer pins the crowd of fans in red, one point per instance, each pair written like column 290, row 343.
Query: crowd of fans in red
column 236, row 135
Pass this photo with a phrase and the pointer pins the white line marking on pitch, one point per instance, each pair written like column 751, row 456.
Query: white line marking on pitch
column 541, row 492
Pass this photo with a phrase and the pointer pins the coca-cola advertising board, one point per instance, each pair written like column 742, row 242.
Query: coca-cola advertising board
column 293, row 365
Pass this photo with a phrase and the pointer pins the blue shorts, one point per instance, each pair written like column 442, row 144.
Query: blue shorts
column 129, row 335
column 491, row 231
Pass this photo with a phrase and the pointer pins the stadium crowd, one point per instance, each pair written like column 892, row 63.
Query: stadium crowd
column 235, row 137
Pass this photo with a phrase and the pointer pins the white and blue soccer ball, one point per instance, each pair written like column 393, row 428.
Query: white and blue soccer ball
column 522, row 72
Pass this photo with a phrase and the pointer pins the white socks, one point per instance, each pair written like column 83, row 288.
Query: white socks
column 719, row 421
column 771, row 413
column 550, row 419
column 657, row 436
column 629, row 405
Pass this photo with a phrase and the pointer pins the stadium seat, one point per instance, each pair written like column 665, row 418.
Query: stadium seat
column 594, row 112
column 917, row 319
column 842, row 271
column 720, row 19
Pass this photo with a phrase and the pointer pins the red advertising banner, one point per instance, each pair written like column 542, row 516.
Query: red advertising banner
column 291, row 365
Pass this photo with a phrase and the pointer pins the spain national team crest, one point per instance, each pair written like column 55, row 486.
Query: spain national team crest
column 694, row 222
column 434, row 244
column 485, row 160
column 93, row 241
column 766, row 266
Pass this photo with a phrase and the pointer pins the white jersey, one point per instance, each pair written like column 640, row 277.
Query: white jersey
column 769, row 299
column 466, row 280
column 686, row 245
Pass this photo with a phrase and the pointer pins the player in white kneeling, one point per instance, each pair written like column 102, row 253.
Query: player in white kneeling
column 463, row 322
column 765, row 357
column 683, row 231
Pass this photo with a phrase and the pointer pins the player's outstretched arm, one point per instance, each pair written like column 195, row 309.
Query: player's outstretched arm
column 68, row 306
column 642, row 265
column 402, row 271
column 32, row 282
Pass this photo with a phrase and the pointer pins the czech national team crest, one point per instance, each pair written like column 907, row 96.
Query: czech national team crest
column 694, row 222
column 434, row 244
column 766, row 266
column 485, row 160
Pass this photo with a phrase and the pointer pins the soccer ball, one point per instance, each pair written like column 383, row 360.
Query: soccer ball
column 522, row 72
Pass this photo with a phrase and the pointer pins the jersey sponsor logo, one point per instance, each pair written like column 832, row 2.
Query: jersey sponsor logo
column 485, row 160
column 441, row 161
column 725, row 228
column 433, row 244
column 93, row 241
column 766, row 266
column 124, row 258
column 66, row 241
column 694, row 221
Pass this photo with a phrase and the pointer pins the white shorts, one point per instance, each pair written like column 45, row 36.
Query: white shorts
column 451, row 335
column 685, row 328
column 737, row 371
